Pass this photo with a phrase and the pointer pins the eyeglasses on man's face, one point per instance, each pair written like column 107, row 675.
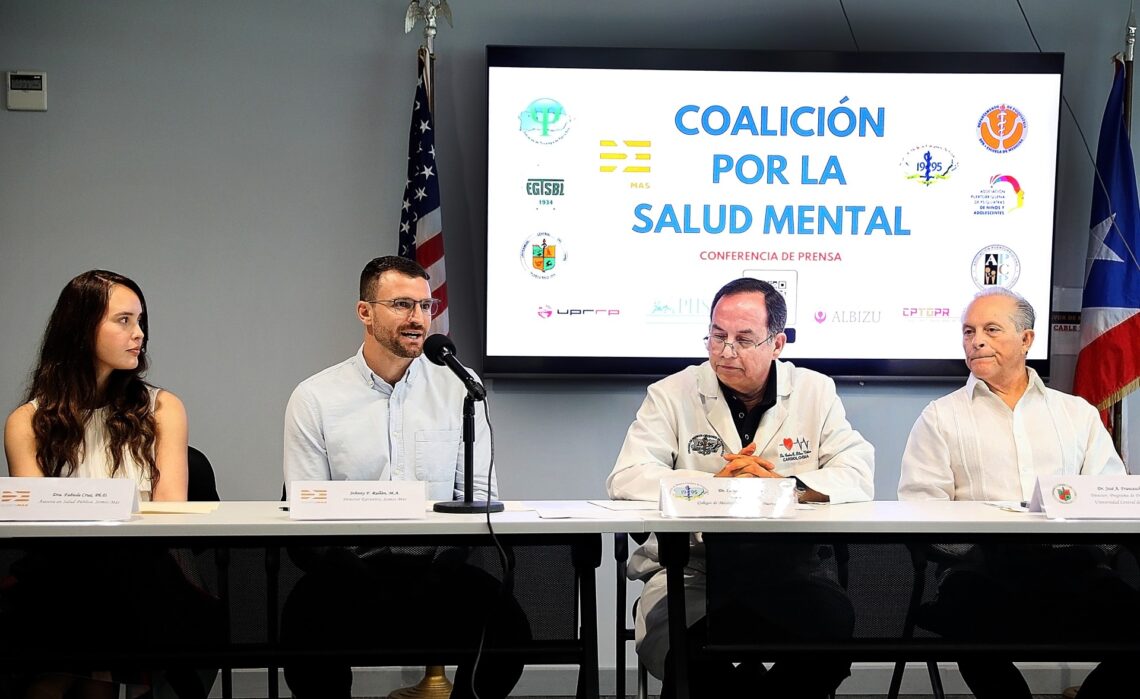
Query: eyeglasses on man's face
column 718, row 343
column 406, row 306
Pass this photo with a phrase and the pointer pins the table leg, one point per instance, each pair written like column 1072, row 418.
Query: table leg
column 674, row 551
column 272, row 569
column 222, row 560
column 587, row 557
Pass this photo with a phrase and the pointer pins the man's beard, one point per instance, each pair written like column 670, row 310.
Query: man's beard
column 391, row 340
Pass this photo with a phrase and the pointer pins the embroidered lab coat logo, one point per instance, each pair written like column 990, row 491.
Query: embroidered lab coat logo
column 796, row 449
column 706, row 444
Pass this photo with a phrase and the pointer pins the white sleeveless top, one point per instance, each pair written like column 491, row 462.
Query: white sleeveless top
column 95, row 456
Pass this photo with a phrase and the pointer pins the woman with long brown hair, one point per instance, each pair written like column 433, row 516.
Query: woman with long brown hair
column 89, row 413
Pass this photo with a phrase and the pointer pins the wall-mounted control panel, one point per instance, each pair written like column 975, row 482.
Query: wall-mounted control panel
column 27, row 90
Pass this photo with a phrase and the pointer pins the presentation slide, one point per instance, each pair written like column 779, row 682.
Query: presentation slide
column 877, row 203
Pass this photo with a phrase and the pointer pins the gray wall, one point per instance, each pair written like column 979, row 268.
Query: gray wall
column 243, row 160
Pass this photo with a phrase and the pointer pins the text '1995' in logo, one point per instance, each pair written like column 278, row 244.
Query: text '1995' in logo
column 705, row 444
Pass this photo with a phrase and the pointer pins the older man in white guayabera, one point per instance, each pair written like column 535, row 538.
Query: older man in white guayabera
column 990, row 440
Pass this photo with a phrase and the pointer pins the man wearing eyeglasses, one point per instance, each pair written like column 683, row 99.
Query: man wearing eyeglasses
column 746, row 414
column 387, row 413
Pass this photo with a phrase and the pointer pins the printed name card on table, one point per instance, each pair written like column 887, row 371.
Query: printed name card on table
column 68, row 499
column 357, row 500
column 757, row 498
column 1087, row 497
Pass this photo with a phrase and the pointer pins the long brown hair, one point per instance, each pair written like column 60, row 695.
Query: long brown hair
column 64, row 384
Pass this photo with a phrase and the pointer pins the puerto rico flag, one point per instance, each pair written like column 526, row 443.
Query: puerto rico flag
column 421, row 228
column 1108, row 364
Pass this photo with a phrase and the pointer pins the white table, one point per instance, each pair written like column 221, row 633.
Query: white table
column 267, row 524
column 885, row 521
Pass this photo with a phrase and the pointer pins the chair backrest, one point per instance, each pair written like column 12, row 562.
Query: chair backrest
column 201, row 485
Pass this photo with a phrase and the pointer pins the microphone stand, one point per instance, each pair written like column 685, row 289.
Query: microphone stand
column 468, row 505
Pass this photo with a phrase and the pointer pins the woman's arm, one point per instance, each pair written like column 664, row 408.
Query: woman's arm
column 20, row 443
column 170, row 447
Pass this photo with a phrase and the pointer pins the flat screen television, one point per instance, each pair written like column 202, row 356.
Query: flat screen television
column 877, row 191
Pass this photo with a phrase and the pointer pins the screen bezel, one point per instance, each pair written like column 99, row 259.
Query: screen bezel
column 730, row 60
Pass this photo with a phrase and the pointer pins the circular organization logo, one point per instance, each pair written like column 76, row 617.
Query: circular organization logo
column 928, row 164
column 995, row 265
column 1002, row 128
column 545, row 311
column 543, row 256
column 705, row 444
column 544, row 121
column 688, row 491
column 1064, row 493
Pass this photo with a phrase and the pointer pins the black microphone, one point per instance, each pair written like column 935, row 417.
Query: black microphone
column 441, row 350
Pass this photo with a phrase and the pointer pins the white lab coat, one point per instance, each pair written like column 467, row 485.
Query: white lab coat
column 677, row 430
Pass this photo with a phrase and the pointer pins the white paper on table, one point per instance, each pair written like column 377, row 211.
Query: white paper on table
column 567, row 509
column 166, row 507
column 626, row 505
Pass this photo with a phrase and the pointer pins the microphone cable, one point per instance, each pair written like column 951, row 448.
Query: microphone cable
column 508, row 568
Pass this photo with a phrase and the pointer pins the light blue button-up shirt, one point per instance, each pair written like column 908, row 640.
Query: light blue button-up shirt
column 347, row 423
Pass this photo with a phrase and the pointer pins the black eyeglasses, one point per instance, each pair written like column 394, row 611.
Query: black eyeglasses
column 407, row 306
column 717, row 343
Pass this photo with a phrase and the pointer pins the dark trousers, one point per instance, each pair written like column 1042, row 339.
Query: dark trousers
column 400, row 603
column 806, row 609
column 1037, row 594
column 123, row 598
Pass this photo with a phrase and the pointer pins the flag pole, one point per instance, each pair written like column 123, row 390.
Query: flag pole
column 434, row 684
column 429, row 11
column 1117, row 414
column 1129, row 55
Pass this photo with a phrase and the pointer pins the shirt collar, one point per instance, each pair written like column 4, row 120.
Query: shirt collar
column 767, row 398
column 974, row 385
column 709, row 386
column 372, row 379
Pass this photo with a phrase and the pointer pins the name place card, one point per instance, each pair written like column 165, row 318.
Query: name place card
column 68, row 499
column 1087, row 497
column 755, row 498
column 357, row 500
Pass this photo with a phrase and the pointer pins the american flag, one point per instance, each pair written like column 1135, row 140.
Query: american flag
column 1108, row 365
column 421, row 228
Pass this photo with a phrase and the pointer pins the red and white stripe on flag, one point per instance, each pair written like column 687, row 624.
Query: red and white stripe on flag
column 1108, row 364
column 421, row 226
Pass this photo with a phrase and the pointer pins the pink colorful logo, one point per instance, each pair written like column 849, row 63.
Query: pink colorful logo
column 1012, row 182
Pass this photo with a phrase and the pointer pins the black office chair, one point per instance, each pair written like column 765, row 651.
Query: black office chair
column 944, row 555
column 200, row 483
column 919, row 557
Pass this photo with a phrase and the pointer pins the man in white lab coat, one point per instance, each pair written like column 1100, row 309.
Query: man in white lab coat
column 745, row 414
